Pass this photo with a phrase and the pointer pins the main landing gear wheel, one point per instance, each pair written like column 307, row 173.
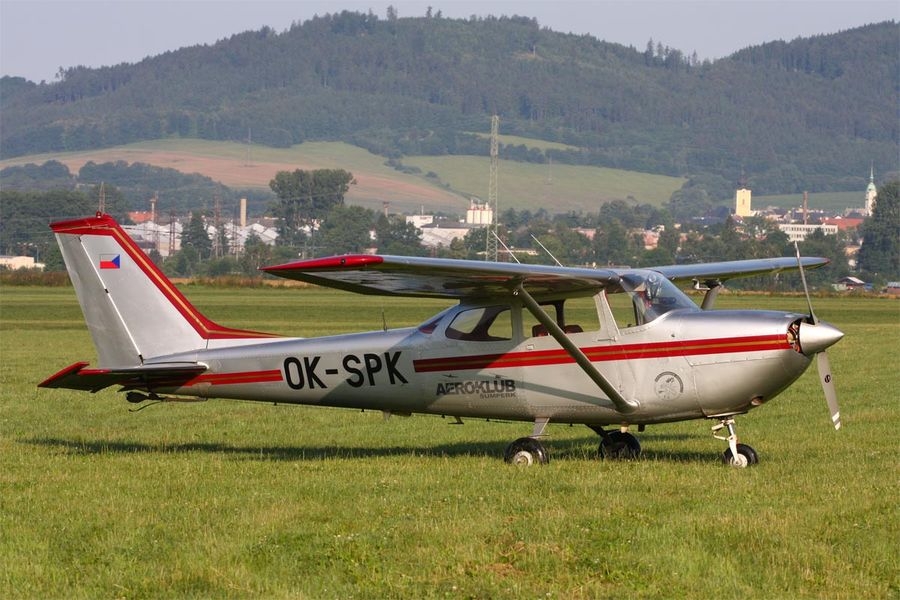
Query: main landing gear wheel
column 525, row 452
column 619, row 445
column 746, row 456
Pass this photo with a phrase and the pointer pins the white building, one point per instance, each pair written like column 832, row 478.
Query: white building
column 797, row 232
column 479, row 214
column 20, row 262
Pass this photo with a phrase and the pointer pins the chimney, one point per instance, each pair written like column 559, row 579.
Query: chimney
column 243, row 212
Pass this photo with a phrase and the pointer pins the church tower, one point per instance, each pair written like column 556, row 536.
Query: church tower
column 871, row 193
column 742, row 198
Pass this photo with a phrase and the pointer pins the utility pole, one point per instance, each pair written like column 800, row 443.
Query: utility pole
column 491, row 244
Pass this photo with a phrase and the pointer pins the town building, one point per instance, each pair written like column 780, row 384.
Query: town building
column 871, row 193
column 15, row 263
column 742, row 200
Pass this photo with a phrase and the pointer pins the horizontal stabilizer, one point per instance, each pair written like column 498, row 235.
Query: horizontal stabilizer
column 79, row 377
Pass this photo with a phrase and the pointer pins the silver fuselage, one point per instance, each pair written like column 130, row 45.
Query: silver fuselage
column 682, row 365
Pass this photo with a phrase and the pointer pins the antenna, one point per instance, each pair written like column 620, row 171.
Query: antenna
column 544, row 248
column 505, row 247
column 102, row 205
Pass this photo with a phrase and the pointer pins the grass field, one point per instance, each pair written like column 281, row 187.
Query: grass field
column 558, row 188
column 829, row 201
column 232, row 500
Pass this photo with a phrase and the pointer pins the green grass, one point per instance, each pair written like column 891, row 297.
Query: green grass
column 230, row 499
column 516, row 140
column 829, row 201
column 558, row 188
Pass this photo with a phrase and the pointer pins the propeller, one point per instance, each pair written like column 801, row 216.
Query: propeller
column 815, row 336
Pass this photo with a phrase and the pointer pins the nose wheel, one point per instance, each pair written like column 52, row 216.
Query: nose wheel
column 738, row 455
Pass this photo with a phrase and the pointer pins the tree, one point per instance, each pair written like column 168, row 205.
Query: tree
column 879, row 256
column 396, row 236
column 255, row 255
column 345, row 230
column 196, row 237
column 24, row 217
column 304, row 196
column 827, row 246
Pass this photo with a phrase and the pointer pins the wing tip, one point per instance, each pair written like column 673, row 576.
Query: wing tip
column 330, row 263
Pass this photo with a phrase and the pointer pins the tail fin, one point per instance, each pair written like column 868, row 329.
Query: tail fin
column 132, row 310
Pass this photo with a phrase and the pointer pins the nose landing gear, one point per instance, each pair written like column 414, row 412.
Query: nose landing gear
column 737, row 455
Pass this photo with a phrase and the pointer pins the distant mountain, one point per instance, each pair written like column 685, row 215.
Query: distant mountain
column 811, row 114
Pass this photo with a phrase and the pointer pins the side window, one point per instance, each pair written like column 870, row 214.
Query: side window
column 483, row 324
column 624, row 309
column 574, row 315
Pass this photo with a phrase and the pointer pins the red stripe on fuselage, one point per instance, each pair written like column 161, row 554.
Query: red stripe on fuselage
column 542, row 358
column 236, row 378
column 106, row 225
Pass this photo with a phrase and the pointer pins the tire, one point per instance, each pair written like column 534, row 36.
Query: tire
column 618, row 445
column 525, row 452
column 746, row 457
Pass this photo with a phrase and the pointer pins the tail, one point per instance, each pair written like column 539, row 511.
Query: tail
column 134, row 313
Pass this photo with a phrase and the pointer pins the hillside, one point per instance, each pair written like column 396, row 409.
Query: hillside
column 811, row 114
column 441, row 184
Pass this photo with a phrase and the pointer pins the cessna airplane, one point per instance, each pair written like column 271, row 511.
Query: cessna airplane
column 507, row 350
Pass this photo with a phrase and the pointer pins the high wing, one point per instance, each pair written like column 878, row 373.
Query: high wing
column 441, row 277
column 721, row 271
column 451, row 278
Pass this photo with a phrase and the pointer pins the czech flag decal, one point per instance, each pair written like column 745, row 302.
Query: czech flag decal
column 110, row 261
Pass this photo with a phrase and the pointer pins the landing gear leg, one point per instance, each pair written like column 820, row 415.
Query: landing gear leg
column 737, row 455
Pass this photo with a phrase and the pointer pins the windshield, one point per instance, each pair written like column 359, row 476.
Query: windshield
column 651, row 295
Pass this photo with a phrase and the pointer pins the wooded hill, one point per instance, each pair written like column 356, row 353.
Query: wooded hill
column 811, row 114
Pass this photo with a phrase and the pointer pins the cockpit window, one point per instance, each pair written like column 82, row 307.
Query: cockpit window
column 482, row 324
column 651, row 295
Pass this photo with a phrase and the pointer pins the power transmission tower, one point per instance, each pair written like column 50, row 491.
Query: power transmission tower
column 491, row 245
column 171, row 233
column 154, row 220
column 217, row 224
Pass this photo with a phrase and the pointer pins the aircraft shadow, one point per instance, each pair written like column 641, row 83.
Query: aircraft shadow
column 575, row 449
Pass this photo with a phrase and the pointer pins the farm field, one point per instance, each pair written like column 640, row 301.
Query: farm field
column 558, row 188
column 230, row 499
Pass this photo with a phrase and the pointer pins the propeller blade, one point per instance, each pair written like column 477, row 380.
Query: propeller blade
column 812, row 315
column 824, row 367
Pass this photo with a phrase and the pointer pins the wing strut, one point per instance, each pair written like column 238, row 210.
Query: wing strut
column 621, row 404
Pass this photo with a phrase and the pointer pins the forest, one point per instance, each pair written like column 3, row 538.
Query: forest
column 809, row 114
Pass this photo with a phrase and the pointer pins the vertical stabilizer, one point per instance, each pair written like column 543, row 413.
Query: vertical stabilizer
column 132, row 310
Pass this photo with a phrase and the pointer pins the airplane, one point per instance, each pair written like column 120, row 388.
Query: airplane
column 506, row 350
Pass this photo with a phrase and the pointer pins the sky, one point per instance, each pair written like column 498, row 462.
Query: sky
column 37, row 37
